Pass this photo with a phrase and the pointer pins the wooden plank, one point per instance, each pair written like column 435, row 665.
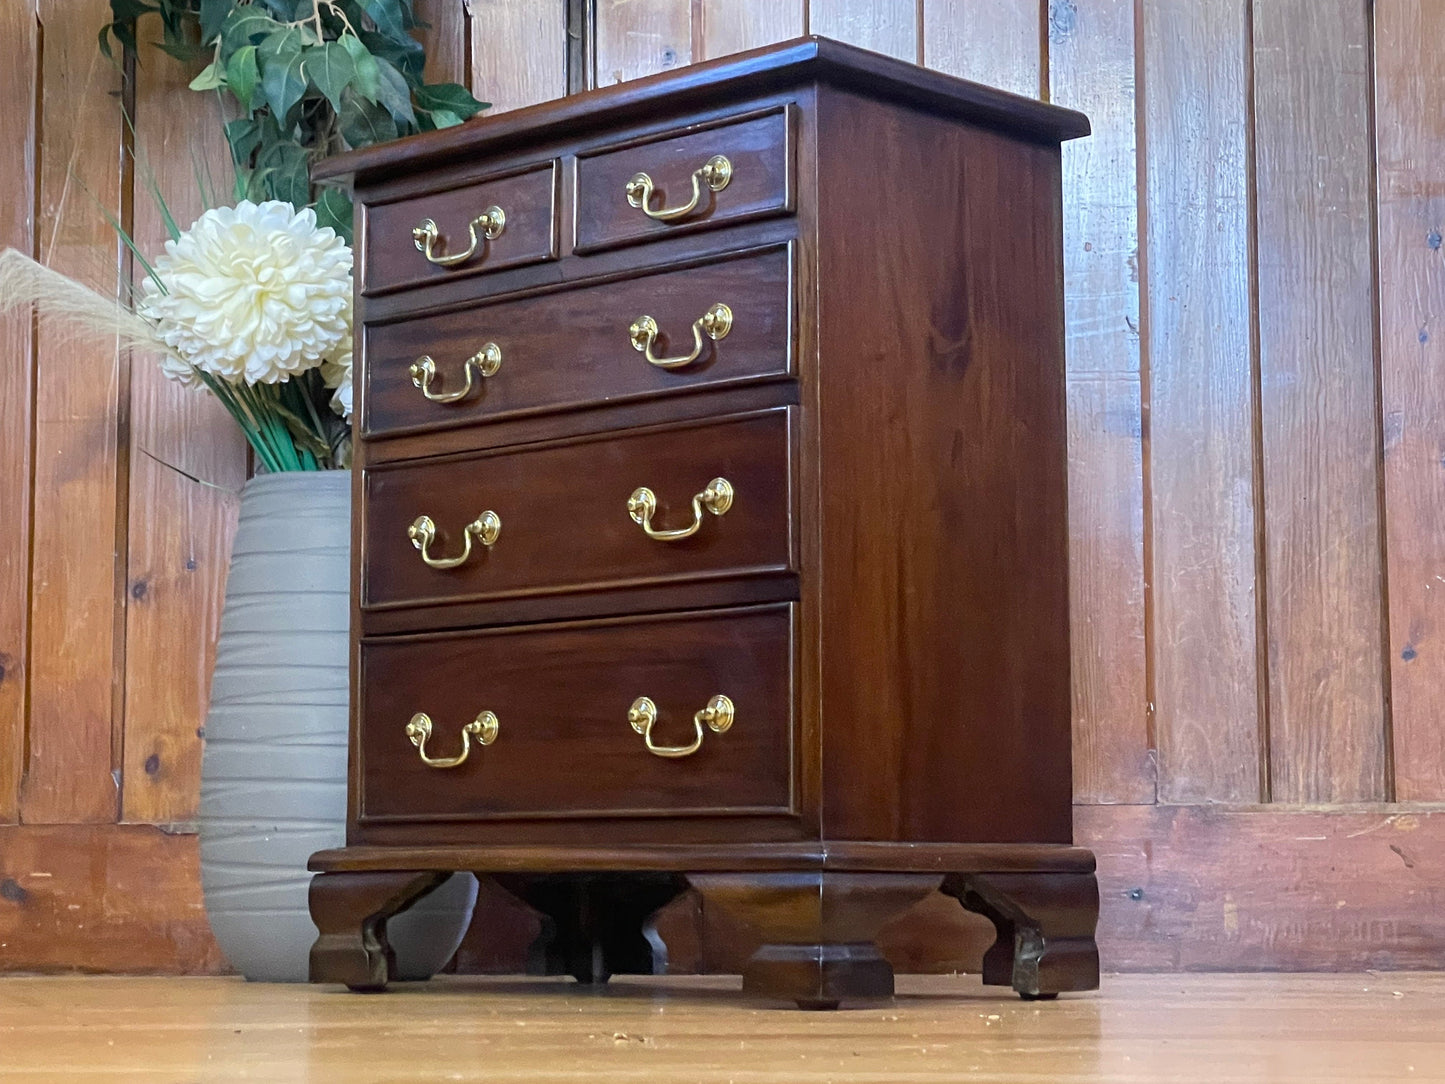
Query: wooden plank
column 1201, row 463
column 1137, row 1029
column 734, row 26
column 1410, row 138
column 1113, row 754
column 641, row 37
column 1091, row 68
column 179, row 538
column 18, row 82
column 519, row 52
column 1199, row 889
column 445, row 38
column 1318, row 401
column 74, row 646
column 885, row 26
column 997, row 42
column 102, row 898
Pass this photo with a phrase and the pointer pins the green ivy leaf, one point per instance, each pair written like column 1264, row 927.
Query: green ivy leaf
column 368, row 71
column 334, row 209
column 331, row 69
column 213, row 17
column 282, row 80
column 211, row 77
column 408, row 56
column 451, row 98
column 244, row 26
column 289, row 176
column 364, row 123
column 445, row 118
column 242, row 75
column 244, row 136
column 387, row 15
column 394, row 93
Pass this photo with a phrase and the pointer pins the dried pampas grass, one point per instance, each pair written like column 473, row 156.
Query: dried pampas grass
column 65, row 304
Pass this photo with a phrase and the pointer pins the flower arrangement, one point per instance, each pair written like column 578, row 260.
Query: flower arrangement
column 253, row 303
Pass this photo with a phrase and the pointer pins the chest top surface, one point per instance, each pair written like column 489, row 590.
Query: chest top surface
column 760, row 71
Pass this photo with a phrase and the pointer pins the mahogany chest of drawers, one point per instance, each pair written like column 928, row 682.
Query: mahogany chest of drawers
column 710, row 522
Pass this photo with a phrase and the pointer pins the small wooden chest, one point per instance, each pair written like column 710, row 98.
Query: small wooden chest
column 710, row 522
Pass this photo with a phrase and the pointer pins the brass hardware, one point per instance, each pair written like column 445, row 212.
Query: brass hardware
column 484, row 728
column 718, row 717
column 486, row 361
column 491, row 222
column 486, row 529
column 717, row 498
column 715, row 173
column 715, row 324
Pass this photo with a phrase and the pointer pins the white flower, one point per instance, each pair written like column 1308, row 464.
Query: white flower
column 253, row 292
column 336, row 372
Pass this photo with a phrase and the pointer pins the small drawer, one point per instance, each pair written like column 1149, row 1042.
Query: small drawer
column 691, row 179
column 504, row 221
column 568, row 517
column 573, row 348
column 566, row 709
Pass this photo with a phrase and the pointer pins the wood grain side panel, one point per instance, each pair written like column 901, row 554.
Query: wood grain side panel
column 1318, row 401
column 1410, row 139
column 722, row 27
column 641, row 37
column 179, row 530
column 103, row 899
column 74, row 647
column 18, row 86
column 997, row 42
column 1201, row 463
column 884, row 26
column 1091, row 68
column 519, row 52
column 943, row 474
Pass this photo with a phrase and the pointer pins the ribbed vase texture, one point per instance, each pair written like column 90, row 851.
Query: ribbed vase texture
column 273, row 778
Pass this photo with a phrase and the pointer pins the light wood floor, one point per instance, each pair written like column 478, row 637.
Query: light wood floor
column 1313, row 1029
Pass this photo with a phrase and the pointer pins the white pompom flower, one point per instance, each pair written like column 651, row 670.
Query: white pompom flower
column 254, row 293
column 336, row 374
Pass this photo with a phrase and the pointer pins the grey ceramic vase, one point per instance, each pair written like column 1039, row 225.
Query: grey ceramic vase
column 273, row 777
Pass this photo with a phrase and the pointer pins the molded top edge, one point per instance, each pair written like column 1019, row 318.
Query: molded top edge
column 759, row 71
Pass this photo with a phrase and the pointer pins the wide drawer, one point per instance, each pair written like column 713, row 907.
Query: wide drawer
column 572, row 348
column 564, row 701
column 695, row 178
column 563, row 514
column 467, row 235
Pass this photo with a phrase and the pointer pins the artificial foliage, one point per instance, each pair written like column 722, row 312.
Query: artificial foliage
column 308, row 78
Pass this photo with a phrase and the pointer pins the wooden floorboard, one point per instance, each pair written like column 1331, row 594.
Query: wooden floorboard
column 1311, row 1029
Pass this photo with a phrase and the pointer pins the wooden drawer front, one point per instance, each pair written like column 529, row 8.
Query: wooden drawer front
column 529, row 234
column 572, row 348
column 758, row 150
column 563, row 508
column 561, row 695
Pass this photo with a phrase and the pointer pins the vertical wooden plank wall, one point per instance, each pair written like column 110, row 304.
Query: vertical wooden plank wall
column 18, row 85
column 187, row 465
column 1254, row 278
column 1410, row 141
column 1091, row 66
